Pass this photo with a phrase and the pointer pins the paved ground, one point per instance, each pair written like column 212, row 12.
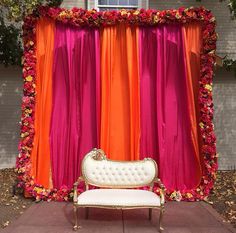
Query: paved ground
column 180, row 217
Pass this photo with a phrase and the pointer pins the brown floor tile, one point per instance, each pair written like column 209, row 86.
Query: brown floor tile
column 180, row 217
column 191, row 214
column 210, row 230
column 38, row 229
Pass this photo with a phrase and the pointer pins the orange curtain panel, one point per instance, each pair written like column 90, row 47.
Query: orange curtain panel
column 120, row 110
column 193, row 45
column 44, row 54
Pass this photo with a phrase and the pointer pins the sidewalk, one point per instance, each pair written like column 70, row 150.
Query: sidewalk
column 180, row 217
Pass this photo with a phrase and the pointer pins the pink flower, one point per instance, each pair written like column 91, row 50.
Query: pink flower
column 81, row 17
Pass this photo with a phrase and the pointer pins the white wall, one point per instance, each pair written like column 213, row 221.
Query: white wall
column 224, row 98
column 10, row 111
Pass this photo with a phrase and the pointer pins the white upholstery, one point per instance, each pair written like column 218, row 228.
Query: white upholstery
column 117, row 182
column 107, row 173
column 118, row 198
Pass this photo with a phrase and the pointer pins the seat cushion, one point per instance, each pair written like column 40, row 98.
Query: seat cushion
column 119, row 198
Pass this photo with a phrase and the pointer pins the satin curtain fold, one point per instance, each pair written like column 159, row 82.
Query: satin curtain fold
column 120, row 120
column 40, row 155
column 165, row 121
column 148, row 94
column 76, row 101
column 193, row 45
column 148, row 106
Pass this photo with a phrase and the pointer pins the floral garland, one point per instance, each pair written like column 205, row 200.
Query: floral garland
column 92, row 18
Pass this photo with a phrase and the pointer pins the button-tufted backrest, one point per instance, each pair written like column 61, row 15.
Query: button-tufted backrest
column 102, row 172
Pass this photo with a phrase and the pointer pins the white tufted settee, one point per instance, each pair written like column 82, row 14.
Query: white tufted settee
column 118, row 184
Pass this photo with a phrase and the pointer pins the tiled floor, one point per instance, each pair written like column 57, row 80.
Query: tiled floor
column 180, row 217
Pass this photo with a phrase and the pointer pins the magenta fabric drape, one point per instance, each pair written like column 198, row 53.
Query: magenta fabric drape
column 165, row 121
column 75, row 116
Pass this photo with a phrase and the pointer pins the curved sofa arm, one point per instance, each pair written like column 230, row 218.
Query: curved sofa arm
column 162, row 190
column 75, row 197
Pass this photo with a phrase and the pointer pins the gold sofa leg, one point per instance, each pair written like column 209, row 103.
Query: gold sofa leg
column 161, row 229
column 76, row 227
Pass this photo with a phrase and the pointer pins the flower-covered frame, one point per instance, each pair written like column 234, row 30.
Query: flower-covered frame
column 92, row 18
